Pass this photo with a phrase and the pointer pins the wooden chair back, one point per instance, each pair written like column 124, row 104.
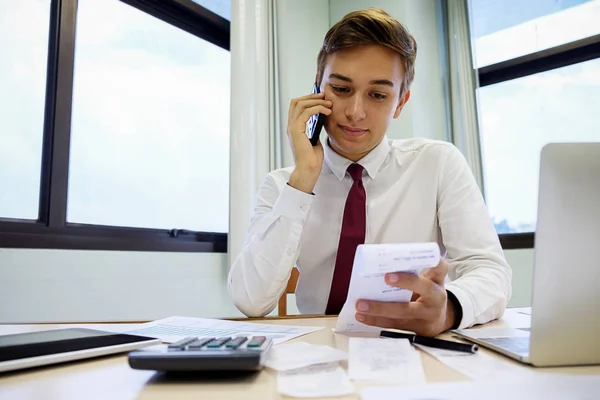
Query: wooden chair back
column 291, row 288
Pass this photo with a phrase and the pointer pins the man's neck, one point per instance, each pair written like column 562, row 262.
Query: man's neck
column 351, row 157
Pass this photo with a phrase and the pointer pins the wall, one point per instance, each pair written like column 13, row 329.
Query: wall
column 65, row 285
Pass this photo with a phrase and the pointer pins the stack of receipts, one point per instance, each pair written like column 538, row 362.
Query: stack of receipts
column 371, row 263
column 306, row 370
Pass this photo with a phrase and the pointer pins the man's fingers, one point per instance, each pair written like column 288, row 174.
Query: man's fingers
column 294, row 102
column 437, row 274
column 411, row 310
column 421, row 315
column 306, row 114
column 304, row 105
column 416, row 283
column 300, row 122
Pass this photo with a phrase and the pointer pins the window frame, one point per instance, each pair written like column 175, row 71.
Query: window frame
column 545, row 60
column 51, row 230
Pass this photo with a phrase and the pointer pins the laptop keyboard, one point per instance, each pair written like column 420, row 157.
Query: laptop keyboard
column 519, row 345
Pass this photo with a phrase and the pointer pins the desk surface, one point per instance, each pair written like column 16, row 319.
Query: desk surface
column 111, row 377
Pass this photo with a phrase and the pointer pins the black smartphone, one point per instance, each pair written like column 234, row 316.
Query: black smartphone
column 315, row 123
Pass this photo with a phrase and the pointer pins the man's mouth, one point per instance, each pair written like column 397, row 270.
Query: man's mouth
column 353, row 131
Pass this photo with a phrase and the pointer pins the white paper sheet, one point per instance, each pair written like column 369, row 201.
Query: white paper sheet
column 172, row 329
column 371, row 263
column 301, row 354
column 323, row 380
column 475, row 366
column 537, row 386
column 384, row 360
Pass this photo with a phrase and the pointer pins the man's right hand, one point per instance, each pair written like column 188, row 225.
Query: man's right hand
column 308, row 158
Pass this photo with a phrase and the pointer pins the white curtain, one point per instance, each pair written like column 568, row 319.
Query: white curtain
column 277, row 138
column 463, row 83
column 255, row 142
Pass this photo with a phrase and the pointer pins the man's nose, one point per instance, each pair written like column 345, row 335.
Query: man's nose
column 356, row 108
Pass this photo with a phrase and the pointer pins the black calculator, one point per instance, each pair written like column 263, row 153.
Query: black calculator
column 240, row 353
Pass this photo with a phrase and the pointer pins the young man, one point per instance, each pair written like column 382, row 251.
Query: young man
column 363, row 188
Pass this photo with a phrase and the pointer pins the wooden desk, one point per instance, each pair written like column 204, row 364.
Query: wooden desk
column 111, row 377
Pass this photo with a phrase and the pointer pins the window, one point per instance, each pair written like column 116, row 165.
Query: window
column 220, row 7
column 507, row 29
column 518, row 117
column 150, row 114
column 126, row 146
column 24, row 49
column 539, row 67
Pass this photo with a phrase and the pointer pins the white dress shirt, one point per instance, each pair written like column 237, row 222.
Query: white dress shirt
column 418, row 190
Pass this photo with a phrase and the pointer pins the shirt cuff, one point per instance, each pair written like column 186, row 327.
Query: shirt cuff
column 465, row 304
column 458, row 313
column 293, row 204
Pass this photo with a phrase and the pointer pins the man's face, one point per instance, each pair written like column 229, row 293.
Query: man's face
column 363, row 83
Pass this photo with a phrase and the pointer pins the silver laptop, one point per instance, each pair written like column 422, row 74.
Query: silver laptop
column 565, row 320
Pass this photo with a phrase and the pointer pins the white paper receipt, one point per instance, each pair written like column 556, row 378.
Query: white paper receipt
column 371, row 263
column 323, row 380
column 284, row 357
column 384, row 360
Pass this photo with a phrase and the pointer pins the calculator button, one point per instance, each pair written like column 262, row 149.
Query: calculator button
column 180, row 344
column 216, row 343
column 235, row 343
column 256, row 341
column 198, row 344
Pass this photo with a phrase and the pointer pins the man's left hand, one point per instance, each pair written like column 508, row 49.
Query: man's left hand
column 428, row 313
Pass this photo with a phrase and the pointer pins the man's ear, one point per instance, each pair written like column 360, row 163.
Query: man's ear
column 402, row 103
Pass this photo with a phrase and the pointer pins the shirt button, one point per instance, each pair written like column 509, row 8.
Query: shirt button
column 303, row 207
column 290, row 252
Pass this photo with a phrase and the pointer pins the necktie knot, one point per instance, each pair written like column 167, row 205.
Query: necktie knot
column 355, row 171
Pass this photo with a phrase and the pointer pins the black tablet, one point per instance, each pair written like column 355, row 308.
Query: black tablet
column 32, row 349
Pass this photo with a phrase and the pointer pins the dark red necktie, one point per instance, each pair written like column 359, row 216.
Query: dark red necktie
column 353, row 233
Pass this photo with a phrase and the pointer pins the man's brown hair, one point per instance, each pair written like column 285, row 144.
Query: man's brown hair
column 371, row 26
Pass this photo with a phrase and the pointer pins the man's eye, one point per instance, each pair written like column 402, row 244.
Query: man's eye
column 339, row 89
column 379, row 96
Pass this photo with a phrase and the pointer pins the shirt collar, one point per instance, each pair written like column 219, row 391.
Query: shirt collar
column 372, row 162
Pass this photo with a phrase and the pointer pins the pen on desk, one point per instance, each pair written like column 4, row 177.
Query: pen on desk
column 432, row 342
